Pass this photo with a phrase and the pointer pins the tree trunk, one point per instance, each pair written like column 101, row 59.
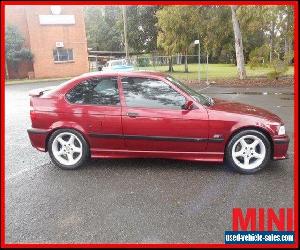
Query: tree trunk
column 238, row 45
column 272, row 41
column 287, row 41
column 286, row 49
column 170, row 64
column 186, row 69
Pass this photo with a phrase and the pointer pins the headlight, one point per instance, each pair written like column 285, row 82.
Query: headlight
column 281, row 130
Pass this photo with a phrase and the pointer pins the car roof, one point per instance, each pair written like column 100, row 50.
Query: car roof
column 125, row 73
column 116, row 60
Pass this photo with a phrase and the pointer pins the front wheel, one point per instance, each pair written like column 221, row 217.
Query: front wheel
column 248, row 151
column 67, row 148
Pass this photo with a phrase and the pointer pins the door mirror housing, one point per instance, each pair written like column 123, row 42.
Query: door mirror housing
column 188, row 105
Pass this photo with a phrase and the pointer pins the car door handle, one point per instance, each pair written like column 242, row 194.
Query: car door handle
column 132, row 115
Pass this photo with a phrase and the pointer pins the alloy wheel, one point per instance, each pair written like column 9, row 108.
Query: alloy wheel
column 248, row 152
column 67, row 148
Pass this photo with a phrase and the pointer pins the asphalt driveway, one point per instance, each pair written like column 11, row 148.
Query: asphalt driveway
column 136, row 200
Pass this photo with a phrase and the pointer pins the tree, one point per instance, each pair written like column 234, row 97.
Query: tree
column 15, row 52
column 253, row 20
column 238, row 44
column 287, row 24
column 103, row 28
column 270, row 26
column 214, row 27
column 142, row 32
column 176, row 29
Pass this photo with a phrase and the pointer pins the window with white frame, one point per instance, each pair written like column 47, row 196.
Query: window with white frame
column 62, row 54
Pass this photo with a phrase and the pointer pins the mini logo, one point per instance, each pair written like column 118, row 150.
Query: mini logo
column 261, row 226
column 261, row 219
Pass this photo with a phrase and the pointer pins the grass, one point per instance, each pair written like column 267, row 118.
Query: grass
column 215, row 71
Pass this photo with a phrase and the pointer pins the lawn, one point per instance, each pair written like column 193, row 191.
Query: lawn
column 215, row 71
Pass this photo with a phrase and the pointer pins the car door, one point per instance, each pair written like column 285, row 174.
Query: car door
column 153, row 118
column 99, row 100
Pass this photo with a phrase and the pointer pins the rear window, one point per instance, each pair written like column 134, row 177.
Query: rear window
column 96, row 91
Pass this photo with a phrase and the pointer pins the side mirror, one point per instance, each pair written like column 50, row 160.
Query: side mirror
column 188, row 105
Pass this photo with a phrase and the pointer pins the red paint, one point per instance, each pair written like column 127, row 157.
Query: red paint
column 281, row 220
column 239, row 221
column 261, row 219
column 51, row 111
column 278, row 221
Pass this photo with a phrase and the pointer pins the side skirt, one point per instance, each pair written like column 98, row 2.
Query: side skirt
column 191, row 156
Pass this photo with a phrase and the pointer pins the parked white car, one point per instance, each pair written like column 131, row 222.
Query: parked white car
column 117, row 65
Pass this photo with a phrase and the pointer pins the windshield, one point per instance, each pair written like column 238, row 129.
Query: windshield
column 202, row 99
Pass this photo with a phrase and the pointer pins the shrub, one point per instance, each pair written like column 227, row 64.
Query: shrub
column 279, row 67
column 143, row 62
column 258, row 57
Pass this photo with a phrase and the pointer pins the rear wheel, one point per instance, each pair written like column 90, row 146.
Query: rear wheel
column 67, row 148
column 248, row 151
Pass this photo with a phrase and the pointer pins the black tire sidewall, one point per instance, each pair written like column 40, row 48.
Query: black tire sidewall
column 228, row 153
column 85, row 149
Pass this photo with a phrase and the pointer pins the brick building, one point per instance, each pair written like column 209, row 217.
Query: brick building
column 56, row 37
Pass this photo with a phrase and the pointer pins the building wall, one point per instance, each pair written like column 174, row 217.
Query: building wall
column 15, row 15
column 43, row 38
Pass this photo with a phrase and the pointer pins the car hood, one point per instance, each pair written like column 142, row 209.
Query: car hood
column 243, row 109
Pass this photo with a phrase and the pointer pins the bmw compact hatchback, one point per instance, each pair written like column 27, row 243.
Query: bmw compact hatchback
column 150, row 114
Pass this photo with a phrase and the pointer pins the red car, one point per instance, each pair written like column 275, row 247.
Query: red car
column 147, row 114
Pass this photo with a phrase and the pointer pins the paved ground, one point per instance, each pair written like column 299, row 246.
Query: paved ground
column 134, row 200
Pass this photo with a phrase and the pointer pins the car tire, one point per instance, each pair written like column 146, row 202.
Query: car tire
column 68, row 149
column 248, row 151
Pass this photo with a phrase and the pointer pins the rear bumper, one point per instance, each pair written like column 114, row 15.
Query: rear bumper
column 281, row 145
column 38, row 138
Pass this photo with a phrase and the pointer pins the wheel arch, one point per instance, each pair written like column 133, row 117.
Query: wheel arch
column 66, row 127
column 259, row 129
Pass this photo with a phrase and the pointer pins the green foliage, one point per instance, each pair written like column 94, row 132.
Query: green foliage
column 259, row 57
column 14, row 46
column 279, row 67
column 104, row 28
column 214, row 27
column 267, row 25
column 143, row 61
column 142, row 32
column 176, row 27
column 288, row 57
column 267, row 31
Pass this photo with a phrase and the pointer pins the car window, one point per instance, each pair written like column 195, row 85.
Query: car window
column 95, row 91
column 115, row 63
column 150, row 93
column 203, row 99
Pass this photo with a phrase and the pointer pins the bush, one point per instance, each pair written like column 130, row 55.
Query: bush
column 279, row 68
column 143, row 62
column 258, row 57
column 256, row 61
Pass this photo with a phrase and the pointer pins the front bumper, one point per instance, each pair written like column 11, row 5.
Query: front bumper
column 38, row 138
column 281, row 145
